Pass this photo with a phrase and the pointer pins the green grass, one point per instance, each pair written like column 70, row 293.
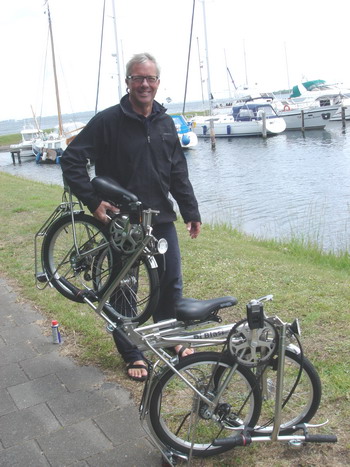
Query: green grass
column 6, row 140
column 306, row 283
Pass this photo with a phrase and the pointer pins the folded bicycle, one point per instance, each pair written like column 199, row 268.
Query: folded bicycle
column 259, row 387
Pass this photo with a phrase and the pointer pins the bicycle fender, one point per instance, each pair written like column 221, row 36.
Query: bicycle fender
column 152, row 262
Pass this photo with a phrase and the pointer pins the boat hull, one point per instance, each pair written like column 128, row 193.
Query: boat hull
column 314, row 119
column 187, row 138
column 228, row 127
column 338, row 115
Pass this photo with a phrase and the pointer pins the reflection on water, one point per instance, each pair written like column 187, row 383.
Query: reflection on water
column 286, row 185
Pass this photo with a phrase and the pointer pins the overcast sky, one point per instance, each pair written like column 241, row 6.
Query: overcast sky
column 273, row 43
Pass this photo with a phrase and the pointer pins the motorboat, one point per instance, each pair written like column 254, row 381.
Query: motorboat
column 28, row 136
column 319, row 93
column 244, row 119
column 187, row 138
column 305, row 117
column 303, row 114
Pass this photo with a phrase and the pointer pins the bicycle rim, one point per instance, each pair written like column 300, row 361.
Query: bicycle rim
column 138, row 292
column 182, row 421
column 70, row 270
column 305, row 400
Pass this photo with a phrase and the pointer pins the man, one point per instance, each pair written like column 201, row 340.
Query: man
column 136, row 143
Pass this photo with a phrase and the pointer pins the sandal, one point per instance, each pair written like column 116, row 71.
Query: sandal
column 181, row 350
column 136, row 366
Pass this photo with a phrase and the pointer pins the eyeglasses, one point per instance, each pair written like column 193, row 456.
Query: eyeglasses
column 139, row 79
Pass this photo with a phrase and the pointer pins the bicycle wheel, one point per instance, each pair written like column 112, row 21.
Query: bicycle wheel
column 95, row 265
column 138, row 293
column 305, row 400
column 179, row 417
column 71, row 271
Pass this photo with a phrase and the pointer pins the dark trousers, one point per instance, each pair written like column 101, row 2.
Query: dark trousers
column 170, row 278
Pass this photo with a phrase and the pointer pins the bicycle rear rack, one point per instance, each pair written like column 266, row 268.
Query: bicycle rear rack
column 67, row 206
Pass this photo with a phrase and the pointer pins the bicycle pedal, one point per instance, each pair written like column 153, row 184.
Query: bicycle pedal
column 42, row 277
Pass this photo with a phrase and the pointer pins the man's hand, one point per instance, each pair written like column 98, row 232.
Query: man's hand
column 101, row 212
column 193, row 228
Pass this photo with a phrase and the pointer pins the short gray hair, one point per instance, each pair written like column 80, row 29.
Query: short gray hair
column 141, row 58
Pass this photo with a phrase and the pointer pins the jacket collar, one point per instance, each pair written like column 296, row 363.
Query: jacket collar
column 128, row 110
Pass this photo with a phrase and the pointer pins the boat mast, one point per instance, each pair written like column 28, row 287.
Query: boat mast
column 35, row 119
column 245, row 65
column 285, row 53
column 200, row 70
column 117, row 52
column 227, row 76
column 210, row 96
column 59, row 114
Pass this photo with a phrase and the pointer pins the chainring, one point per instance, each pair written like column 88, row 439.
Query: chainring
column 252, row 347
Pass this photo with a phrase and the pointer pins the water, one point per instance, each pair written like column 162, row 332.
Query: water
column 286, row 186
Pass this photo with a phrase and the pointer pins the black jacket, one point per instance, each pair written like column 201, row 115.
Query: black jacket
column 143, row 154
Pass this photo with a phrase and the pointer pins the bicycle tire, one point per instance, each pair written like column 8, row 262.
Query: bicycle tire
column 69, row 275
column 137, row 295
column 74, row 277
column 305, row 400
column 172, row 403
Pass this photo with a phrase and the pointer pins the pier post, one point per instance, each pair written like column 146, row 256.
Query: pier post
column 343, row 108
column 302, row 121
column 212, row 134
column 16, row 152
column 263, row 118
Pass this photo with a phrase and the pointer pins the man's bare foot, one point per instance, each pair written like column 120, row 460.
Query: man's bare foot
column 183, row 351
column 137, row 371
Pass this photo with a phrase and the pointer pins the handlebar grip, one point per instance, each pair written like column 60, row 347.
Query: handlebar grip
column 321, row 438
column 239, row 440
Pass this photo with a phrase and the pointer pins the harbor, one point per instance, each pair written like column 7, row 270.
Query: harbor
column 294, row 185
column 268, row 154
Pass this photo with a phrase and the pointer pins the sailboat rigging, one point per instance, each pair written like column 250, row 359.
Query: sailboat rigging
column 187, row 137
column 241, row 120
column 49, row 148
column 59, row 113
column 116, row 54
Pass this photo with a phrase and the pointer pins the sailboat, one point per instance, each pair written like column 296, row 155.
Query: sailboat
column 242, row 120
column 49, row 147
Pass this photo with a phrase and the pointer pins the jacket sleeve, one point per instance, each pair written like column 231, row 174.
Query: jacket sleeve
column 181, row 188
column 85, row 148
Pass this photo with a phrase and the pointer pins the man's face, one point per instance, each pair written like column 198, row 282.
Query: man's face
column 142, row 93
